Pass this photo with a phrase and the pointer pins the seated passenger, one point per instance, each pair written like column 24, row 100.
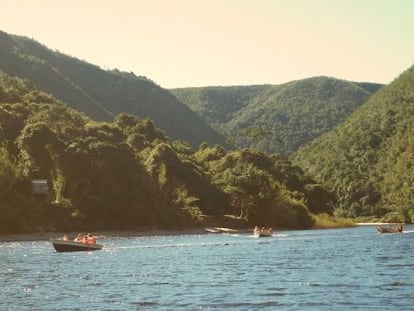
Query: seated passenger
column 79, row 238
column 90, row 239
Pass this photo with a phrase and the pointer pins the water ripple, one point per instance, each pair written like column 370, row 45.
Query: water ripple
column 345, row 269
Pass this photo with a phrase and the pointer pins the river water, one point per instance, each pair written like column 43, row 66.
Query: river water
column 340, row 269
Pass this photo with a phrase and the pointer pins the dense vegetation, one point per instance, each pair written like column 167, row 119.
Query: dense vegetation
column 368, row 160
column 277, row 118
column 102, row 94
column 127, row 174
column 119, row 152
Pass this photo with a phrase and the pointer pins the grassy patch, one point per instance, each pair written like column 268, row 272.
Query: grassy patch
column 325, row 221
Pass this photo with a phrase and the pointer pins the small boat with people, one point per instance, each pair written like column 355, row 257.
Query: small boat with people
column 262, row 232
column 398, row 228
column 80, row 243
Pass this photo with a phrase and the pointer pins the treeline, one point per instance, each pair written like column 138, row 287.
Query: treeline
column 277, row 118
column 128, row 174
column 369, row 159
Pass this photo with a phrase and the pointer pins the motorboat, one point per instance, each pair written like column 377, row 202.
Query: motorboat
column 72, row 246
column 390, row 229
column 262, row 232
column 212, row 230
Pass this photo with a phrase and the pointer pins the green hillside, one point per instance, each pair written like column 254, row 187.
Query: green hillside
column 368, row 159
column 126, row 174
column 101, row 94
column 277, row 118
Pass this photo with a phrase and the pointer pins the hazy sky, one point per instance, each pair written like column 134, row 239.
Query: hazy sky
column 182, row 43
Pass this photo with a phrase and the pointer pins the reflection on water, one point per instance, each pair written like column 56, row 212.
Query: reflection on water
column 343, row 269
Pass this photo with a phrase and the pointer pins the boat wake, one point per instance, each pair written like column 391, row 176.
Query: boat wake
column 232, row 239
column 224, row 243
column 280, row 235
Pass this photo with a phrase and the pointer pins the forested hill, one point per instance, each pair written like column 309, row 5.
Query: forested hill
column 277, row 118
column 126, row 174
column 101, row 94
column 369, row 159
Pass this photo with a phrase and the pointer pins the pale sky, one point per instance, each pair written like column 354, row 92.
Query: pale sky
column 184, row 43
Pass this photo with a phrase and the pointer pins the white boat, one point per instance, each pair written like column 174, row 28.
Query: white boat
column 72, row 246
column 212, row 230
column 220, row 230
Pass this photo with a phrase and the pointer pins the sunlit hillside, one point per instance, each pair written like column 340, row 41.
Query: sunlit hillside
column 369, row 159
column 277, row 118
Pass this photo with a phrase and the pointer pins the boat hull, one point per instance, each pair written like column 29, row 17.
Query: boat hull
column 71, row 246
column 382, row 229
column 212, row 230
column 262, row 235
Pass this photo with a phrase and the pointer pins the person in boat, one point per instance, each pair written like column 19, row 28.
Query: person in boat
column 79, row 238
column 262, row 230
column 90, row 239
column 399, row 228
column 267, row 230
column 65, row 237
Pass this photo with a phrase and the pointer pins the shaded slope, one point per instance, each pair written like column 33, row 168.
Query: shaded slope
column 101, row 94
column 127, row 175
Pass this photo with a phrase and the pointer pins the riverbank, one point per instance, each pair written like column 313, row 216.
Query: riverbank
column 373, row 223
column 45, row 236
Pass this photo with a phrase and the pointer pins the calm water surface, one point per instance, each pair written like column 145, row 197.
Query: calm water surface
column 343, row 269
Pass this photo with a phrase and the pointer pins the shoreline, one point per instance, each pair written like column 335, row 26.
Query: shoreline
column 45, row 236
column 103, row 234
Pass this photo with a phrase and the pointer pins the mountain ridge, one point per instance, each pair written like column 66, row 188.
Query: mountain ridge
column 367, row 159
column 102, row 94
column 283, row 117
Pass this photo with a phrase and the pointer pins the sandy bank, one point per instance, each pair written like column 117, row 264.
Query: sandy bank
column 373, row 223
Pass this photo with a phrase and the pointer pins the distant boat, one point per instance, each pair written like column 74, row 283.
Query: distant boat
column 212, row 230
column 262, row 232
column 389, row 229
column 72, row 246
column 220, row 230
